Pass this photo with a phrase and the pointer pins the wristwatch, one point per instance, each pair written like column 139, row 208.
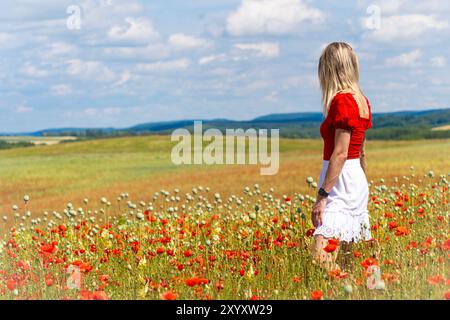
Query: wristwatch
column 323, row 193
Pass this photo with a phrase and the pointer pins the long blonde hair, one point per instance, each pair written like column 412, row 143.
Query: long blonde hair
column 339, row 71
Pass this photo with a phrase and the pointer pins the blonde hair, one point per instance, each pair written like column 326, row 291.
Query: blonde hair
column 339, row 72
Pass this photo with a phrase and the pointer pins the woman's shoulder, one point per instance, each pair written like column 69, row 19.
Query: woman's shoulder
column 346, row 101
column 343, row 101
column 344, row 111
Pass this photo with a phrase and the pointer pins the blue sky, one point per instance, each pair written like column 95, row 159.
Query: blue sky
column 140, row 61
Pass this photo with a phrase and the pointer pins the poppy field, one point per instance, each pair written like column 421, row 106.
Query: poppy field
column 216, row 232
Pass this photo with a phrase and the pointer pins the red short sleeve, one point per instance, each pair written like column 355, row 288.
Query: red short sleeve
column 342, row 112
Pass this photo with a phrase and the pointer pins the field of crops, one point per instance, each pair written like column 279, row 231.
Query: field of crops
column 115, row 219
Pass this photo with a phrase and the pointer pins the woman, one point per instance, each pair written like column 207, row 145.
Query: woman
column 340, row 212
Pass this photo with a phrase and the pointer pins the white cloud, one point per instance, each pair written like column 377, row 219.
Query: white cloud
column 405, row 60
column 405, row 27
column 256, row 17
column 31, row 70
column 212, row 58
column 180, row 41
column 92, row 70
column 95, row 112
column 112, row 111
column 151, row 51
column 135, row 30
column 393, row 7
column 23, row 108
column 61, row 90
column 438, row 61
column 272, row 97
column 163, row 66
column 59, row 48
column 124, row 78
column 263, row 49
column 8, row 41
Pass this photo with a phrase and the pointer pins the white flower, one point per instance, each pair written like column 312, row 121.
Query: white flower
column 140, row 216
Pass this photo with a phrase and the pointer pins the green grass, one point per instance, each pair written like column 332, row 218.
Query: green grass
column 63, row 172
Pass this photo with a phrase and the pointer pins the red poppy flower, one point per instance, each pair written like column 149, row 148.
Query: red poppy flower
column 190, row 282
column 96, row 295
column 366, row 263
column 168, row 295
column 330, row 248
column 357, row 254
column 435, row 280
column 48, row 249
column 84, row 266
column 401, row 231
column 446, row 245
column 220, row 285
column 48, row 280
column 392, row 225
column 389, row 215
column 316, row 295
column 11, row 284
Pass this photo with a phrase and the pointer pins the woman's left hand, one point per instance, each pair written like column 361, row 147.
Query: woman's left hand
column 317, row 211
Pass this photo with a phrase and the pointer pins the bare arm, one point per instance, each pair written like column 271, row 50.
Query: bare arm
column 363, row 155
column 337, row 160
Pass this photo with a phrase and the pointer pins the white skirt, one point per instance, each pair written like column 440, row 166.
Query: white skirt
column 346, row 216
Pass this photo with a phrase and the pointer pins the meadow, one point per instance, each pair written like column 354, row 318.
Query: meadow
column 128, row 224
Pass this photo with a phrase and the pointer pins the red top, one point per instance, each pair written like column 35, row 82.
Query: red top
column 344, row 114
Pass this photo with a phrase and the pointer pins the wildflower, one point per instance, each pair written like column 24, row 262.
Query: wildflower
column 348, row 289
column 11, row 284
column 331, row 246
column 369, row 262
column 446, row 245
column 219, row 285
column 316, row 295
column 83, row 266
column 297, row 279
column 48, row 249
column 435, row 280
column 48, row 281
column 191, row 282
column 96, row 295
column 401, row 231
column 310, row 232
column 392, row 225
column 168, row 295
column 357, row 254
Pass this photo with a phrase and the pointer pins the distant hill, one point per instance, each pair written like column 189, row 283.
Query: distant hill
column 386, row 126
